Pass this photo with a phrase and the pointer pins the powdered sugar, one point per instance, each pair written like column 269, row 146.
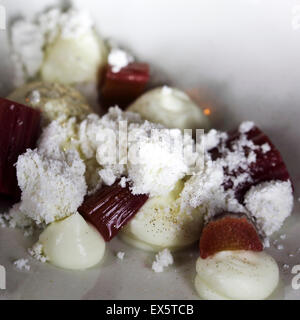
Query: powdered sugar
column 246, row 126
column 162, row 260
column 22, row 264
column 270, row 203
column 53, row 186
column 37, row 253
column 120, row 255
column 119, row 59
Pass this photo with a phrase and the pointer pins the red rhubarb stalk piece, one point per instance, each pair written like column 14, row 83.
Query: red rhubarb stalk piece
column 111, row 208
column 19, row 130
column 229, row 233
column 123, row 87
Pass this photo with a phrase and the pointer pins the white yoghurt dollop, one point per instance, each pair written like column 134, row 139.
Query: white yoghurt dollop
column 236, row 275
column 72, row 243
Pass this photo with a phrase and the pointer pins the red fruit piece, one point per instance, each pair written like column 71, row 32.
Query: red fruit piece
column 111, row 208
column 123, row 87
column 269, row 165
column 229, row 232
column 19, row 130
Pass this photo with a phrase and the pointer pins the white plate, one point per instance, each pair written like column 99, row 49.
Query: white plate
column 245, row 58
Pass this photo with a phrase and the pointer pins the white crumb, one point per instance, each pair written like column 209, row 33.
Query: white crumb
column 279, row 247
column 119, row 59
column 120, row 255
column 162, row 259
column 285, row 266
column 246, row 126
column 53, row 186
column 265, row 148
column 22, row 264
column 37, row 252
column 270, row 203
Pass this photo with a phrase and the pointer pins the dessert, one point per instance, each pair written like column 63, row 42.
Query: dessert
column 236, row 275
column 171, row 107
column 72, row 243
column 136, row 174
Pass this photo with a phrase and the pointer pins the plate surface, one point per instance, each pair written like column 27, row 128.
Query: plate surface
column 239, row 58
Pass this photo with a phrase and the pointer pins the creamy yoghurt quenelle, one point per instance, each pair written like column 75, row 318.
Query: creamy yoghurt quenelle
column 171, row 107
column 240, row 274
column 72, row 243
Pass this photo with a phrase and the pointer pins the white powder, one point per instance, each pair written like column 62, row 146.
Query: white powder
column 213, row 138
column 266, row 242
column 29, row 38
column 35, row 97
column 108, row 176
column 123, row 182
column 162, row 259
column 246, row 126
column 119, row 59
column 53, row 186
column 120, row 255
column 37, row 252
column 265, row 148
column 22, row 264
column 27, row 46
column 270, row 203
column 153, row 165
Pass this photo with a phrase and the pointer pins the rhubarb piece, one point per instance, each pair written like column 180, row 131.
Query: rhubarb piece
column 267, row 166
column 19, row 130
column 230, row 232
column 111, row 208
column 123, row 87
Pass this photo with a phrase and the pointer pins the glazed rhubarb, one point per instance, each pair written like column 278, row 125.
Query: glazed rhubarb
column 111, row 208
column 123, row 87
column 229, row 232
column 19, row 130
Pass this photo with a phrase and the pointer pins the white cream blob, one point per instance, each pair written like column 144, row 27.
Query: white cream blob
column 170, row 107
column 161, row 224
column 72, row 243
column 78, row 60
column 237, row 275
